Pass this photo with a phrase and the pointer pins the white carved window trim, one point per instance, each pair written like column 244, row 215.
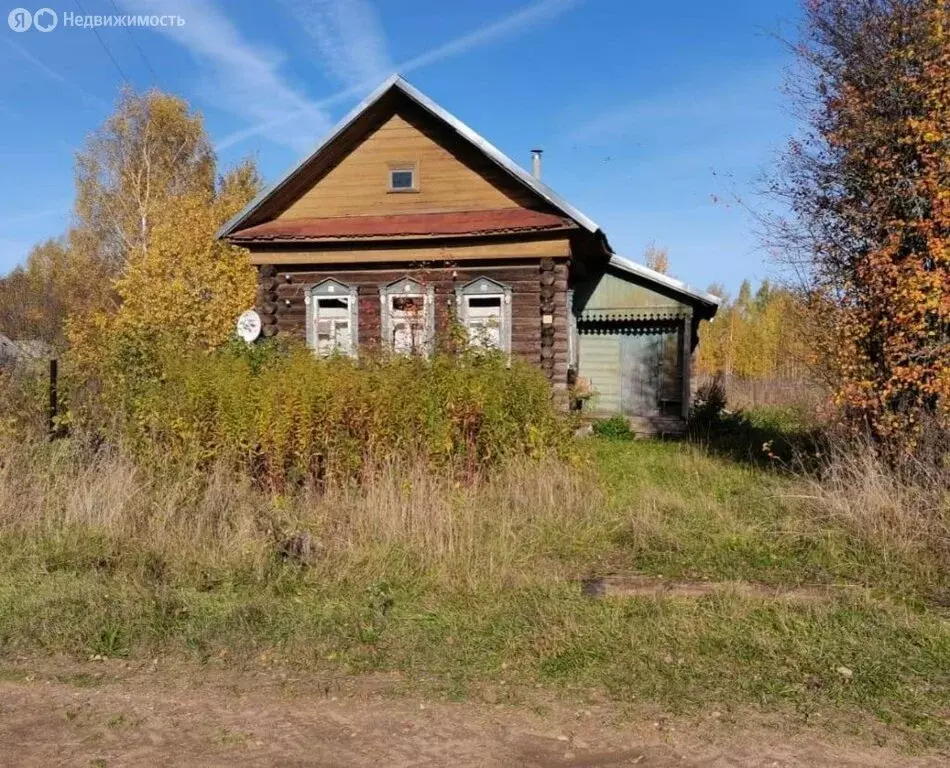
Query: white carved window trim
column 422, row 322
column 338, row 318
column 484, row 288
column 572, row 334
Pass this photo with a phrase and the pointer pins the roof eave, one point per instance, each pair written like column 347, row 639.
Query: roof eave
column 498, row 233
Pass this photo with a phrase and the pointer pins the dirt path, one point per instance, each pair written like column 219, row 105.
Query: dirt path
column 79, row 716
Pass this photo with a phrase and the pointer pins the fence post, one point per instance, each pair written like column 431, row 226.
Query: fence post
column 53, row 396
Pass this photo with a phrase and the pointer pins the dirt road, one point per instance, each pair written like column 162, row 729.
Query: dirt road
column 84, row 716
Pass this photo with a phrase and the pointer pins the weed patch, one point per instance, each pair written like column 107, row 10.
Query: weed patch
column 287, row 418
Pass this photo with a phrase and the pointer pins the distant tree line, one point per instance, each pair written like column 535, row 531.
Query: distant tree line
column 755, row 336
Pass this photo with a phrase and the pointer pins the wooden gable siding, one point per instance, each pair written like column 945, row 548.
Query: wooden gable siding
column 528, row 305
column 450, row 175
column 613, row 294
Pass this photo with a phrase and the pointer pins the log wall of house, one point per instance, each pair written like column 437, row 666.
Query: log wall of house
column 538, row 288
column 559, row 344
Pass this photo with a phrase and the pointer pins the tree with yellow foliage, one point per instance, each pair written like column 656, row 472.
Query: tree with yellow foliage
column 756, row 338
column 140, row 264
column 186, row 285
column 869, row 186
column 37, row 297
column 153, row 149
column 657, row 258
column 148, row 206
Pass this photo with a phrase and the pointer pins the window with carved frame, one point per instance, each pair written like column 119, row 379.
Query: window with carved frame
column 484, row 310
column 332, row 318
column 408, row 317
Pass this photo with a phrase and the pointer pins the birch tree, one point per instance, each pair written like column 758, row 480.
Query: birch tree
column 150, row 150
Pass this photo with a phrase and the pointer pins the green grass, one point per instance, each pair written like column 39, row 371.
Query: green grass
column 666, row 509
column 686, row 513
column 683, row 655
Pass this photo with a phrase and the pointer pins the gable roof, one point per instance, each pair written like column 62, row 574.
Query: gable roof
column 396, row 82
column 440, row 224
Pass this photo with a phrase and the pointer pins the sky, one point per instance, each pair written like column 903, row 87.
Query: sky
column 657, row 119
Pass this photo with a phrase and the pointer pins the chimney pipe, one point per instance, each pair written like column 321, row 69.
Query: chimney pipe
column 536, row 163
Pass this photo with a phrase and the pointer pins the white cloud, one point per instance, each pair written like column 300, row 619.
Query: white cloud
column 58, row 77
column 514, row 24
column 509, row 26
column 242, row 77
column 351, row 44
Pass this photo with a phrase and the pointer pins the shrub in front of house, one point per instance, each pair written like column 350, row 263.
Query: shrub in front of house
column 286, row 415
column 615, row 428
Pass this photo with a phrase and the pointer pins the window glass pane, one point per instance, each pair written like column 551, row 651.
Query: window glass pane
column 408, row 324
column 485, row 333
column 343, row 340
column 485, row 301
column 331, row 325
column 401, row 179
column 408, row 304
column 402, row 338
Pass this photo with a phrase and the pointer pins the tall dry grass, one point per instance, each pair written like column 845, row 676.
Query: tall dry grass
column 898, row 509
column 78, row 506
column 800, row 393
column 458, row 578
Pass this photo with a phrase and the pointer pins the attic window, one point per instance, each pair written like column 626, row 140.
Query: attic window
column 402, row 178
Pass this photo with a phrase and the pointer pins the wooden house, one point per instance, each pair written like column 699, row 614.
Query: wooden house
column 404, row 220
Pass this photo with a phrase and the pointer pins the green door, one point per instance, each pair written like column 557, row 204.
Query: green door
column 634, row 373
column 599, row 363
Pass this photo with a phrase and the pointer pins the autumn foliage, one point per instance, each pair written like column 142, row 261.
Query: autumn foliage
column 56, row 281
column 149, row 207
column 139, row 266
column 869, row 187
column 755, row 337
